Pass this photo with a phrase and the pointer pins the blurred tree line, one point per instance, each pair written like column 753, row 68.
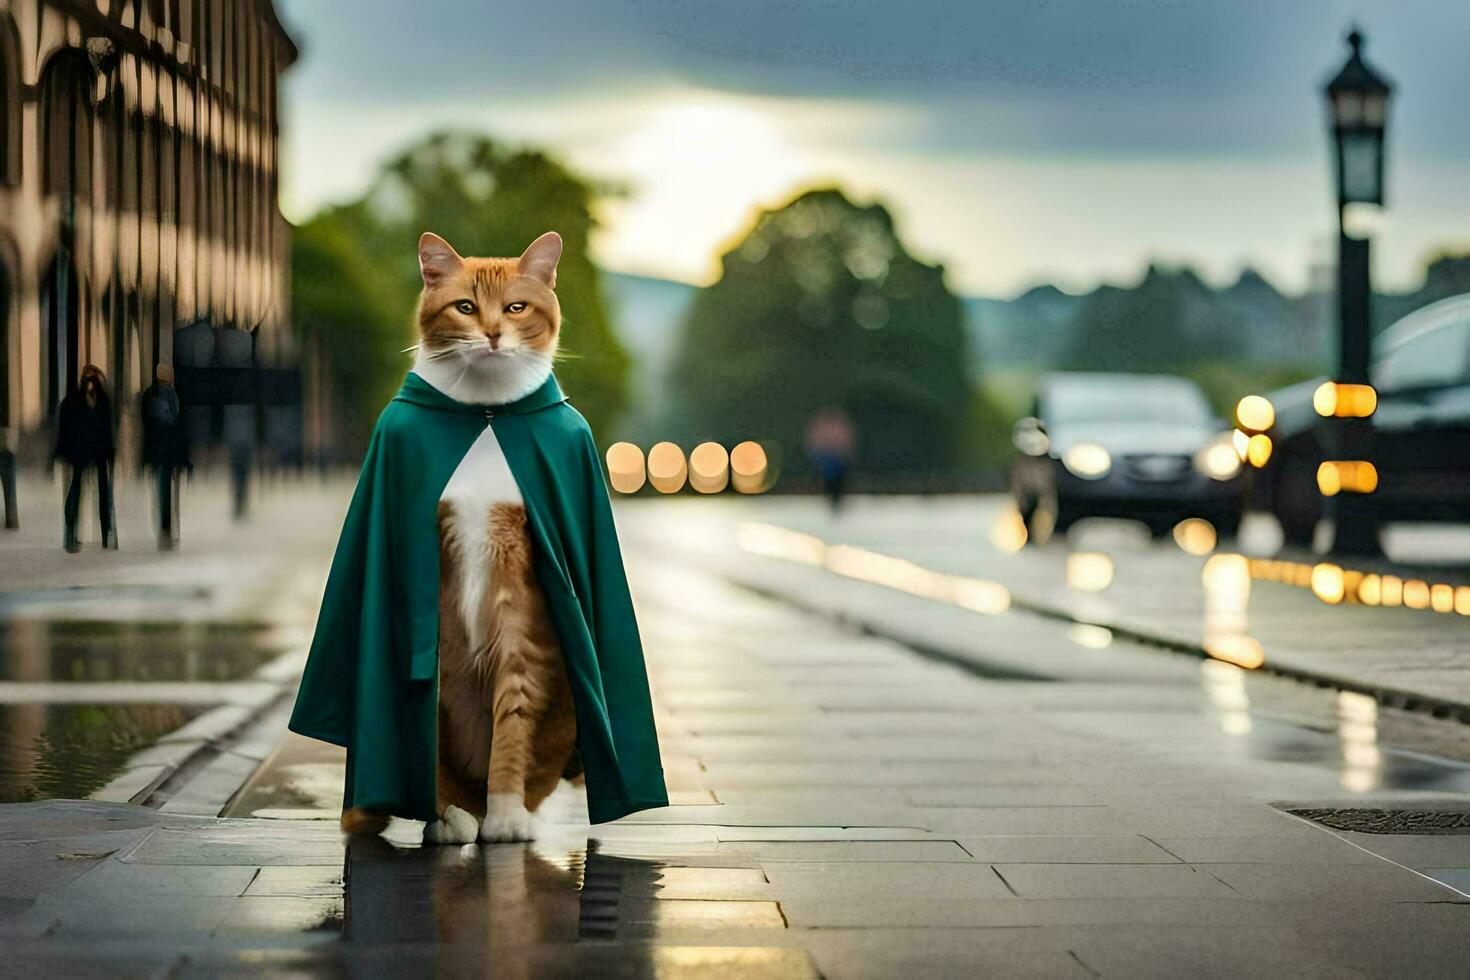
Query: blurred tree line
column 355, row 277
column 820, row 305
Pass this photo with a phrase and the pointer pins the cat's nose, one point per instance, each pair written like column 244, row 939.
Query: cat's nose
column 494, row 340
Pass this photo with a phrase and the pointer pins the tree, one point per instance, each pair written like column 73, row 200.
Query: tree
column 348, row 324
column 820, row 304
column 1166, row 323
column 486, row 200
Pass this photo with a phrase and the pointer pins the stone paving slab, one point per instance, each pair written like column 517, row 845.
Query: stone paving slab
column 1006, row 828
column 1153, row 591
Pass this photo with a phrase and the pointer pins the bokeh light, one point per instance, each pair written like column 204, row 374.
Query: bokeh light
column 1241, row 441
column 1345, row 401
column 1255, row 413
column 749, row 468
column 1353, row 476
column 1008, row 532
column 1089, row 571
column 1090, row 636
column 1442, row 598
column 625, row 469
column 709, row 468
column 1258, row 450
column 667, row 469
column 1327, row 583
column 1195, row 536
column 1236, row 648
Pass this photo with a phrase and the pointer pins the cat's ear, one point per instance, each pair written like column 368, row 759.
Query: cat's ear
column 540, row 257
column 437, row 259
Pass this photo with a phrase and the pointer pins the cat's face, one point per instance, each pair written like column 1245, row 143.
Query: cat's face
column 493, row 314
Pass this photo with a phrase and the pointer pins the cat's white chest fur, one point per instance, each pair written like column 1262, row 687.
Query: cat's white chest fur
column 482, row 480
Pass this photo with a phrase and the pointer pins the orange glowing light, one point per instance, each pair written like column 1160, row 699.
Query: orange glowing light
column 709, row 468
column 1344, row 401
column 1392, row 590
column 1195, row 536
column 1008, row 533
column 1258, row 450
column 667, row 469
column 1416, row 594
column 1255, row 413
column 1236, row 648
column 1327, row 583
column 1442, row 598
column 749, row 468
column 625, row 469
column 1346, row 476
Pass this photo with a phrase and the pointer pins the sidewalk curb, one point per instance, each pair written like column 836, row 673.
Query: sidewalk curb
column 174, row 763
column 1386, row 695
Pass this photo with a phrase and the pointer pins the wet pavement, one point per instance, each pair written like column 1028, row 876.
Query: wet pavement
column 83, row 703
column 1109, row 573
column 131, row 675
column 1000, row 795
column 1006, row 795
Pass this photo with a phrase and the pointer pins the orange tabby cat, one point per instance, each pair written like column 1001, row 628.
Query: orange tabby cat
column 507, row 726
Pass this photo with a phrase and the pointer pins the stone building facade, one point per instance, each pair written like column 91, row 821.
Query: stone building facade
column 138, row 191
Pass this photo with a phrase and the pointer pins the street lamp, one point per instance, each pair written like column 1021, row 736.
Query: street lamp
column 1357, row 101
column 1357, row 104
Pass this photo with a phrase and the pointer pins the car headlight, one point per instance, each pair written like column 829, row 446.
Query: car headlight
column 1087, row 460
column 1219, row 460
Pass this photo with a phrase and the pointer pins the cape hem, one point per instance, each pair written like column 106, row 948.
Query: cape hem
column 319, row 736
column 630, row 807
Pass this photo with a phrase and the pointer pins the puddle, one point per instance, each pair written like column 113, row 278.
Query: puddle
column 68, row 751
column 547, row 892
column 1365, row 766
column 36, row 650
column 1372, row 748
column 55, row 746
column 71, row 598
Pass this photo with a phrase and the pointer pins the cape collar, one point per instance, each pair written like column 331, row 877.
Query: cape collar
column 417, row 391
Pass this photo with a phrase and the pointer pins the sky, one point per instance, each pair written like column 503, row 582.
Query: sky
column 1016, row 141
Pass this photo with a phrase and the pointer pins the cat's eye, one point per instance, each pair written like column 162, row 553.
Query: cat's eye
column 516, row 308
column 465, row 306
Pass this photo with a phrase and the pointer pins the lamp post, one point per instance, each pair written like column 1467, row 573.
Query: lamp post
column 1357, row 102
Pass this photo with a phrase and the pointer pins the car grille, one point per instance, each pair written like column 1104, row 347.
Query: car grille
column 1156, row 468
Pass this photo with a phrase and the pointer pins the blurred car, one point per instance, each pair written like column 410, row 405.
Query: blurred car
column 1138, row 446
column 1421, row 445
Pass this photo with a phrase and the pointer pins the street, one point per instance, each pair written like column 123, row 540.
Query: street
column 1001, row 793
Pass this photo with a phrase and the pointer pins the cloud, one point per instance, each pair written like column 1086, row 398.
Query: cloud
column 1119, row 126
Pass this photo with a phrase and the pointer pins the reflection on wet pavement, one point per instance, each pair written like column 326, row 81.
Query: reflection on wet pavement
column 67, row 751
column 558, row 905
column 37, row 650
column 1282, row 721
column 80, row 698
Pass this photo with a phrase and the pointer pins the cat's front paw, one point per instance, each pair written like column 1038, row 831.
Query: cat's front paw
column 507, row 819
column 455, row 827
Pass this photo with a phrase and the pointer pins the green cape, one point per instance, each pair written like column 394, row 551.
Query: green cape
column 371, row 680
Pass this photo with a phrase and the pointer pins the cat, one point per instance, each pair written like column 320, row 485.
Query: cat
column 489, row 329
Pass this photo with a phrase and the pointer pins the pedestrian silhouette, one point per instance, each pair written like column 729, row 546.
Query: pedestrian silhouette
column 7, row 478
column 85, row 442
column 165, row 449
column 830, row 444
